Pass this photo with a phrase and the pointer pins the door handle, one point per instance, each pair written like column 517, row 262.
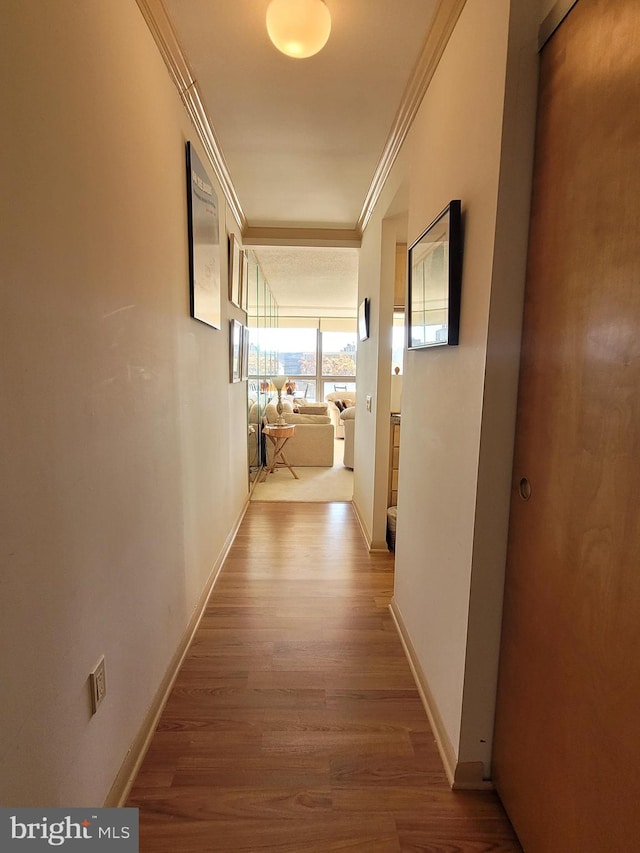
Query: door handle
column 524, row 488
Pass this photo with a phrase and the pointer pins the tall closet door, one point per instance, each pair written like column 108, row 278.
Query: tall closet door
column 567, row 747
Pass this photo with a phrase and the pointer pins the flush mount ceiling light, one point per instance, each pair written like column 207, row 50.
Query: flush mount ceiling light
column 298, row 28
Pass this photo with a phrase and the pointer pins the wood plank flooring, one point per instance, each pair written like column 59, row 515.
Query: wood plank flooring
column 294, row 724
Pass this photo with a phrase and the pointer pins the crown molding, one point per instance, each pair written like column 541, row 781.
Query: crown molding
column 166, row 39
column 444, row 21
column 331, row 237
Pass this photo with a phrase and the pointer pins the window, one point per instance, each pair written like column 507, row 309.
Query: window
column 398, row 341
column 317, row 363
column 297, row 351
column 338, row 354
column 338, row 362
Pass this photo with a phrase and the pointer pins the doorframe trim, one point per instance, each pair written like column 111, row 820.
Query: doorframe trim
column 553, row 20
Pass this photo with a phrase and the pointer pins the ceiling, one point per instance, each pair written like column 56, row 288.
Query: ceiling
column 302, row 147
column 308, row 281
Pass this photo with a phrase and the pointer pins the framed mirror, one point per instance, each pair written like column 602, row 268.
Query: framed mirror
column 434, row 282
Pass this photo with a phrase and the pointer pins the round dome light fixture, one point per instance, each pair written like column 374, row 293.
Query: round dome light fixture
column 298, row 28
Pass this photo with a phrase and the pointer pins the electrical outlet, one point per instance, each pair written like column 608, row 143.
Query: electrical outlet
column 368, row 402
column 98, row 684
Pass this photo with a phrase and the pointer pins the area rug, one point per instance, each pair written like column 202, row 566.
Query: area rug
column 315, row 485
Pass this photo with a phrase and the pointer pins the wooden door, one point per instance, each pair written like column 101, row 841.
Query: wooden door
column 567, row 747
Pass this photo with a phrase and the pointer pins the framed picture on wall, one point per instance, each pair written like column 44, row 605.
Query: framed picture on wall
column 235, row 270
column 204, row 243
column 244, row 360
column 435, row 282
column 363, row 319
column 235, row 351
column 244, row 290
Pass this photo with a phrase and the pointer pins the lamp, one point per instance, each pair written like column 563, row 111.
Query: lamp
column 279, row 381
column 298, row 28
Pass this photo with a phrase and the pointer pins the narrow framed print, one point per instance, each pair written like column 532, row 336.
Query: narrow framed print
column 363, row 319
column 235, row 350
column 235, row 270
column 246, row 282
column 244, row 360
column 204, row 243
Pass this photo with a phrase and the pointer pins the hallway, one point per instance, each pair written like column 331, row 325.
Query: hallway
column 294, row 724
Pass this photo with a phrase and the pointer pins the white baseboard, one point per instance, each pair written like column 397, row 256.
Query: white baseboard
column 372, row 547
column 363, row 529
column 133, row 760
column 445, row 747
column 461, row 775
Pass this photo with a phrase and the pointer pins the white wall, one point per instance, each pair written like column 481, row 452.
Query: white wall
column 366, row 458
column 473, row 140
column 495, row 456
column 459, row 128
column 376, row 276
column 123, row 465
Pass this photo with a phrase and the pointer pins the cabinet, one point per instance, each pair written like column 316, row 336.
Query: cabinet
column 400, row 281
column 394, row 460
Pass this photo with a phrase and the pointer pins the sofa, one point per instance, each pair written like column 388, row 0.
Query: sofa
column 348, row 421
column 337, row 402
column 312, row 443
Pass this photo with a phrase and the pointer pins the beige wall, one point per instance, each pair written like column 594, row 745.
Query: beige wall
column 472, row 139
column 123, row 464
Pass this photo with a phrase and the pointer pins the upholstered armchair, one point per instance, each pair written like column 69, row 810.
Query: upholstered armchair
column 339, row 400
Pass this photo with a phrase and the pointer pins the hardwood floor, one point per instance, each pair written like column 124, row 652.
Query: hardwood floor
column 294, row 724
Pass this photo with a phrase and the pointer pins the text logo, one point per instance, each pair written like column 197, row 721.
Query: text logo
column 36, row 829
